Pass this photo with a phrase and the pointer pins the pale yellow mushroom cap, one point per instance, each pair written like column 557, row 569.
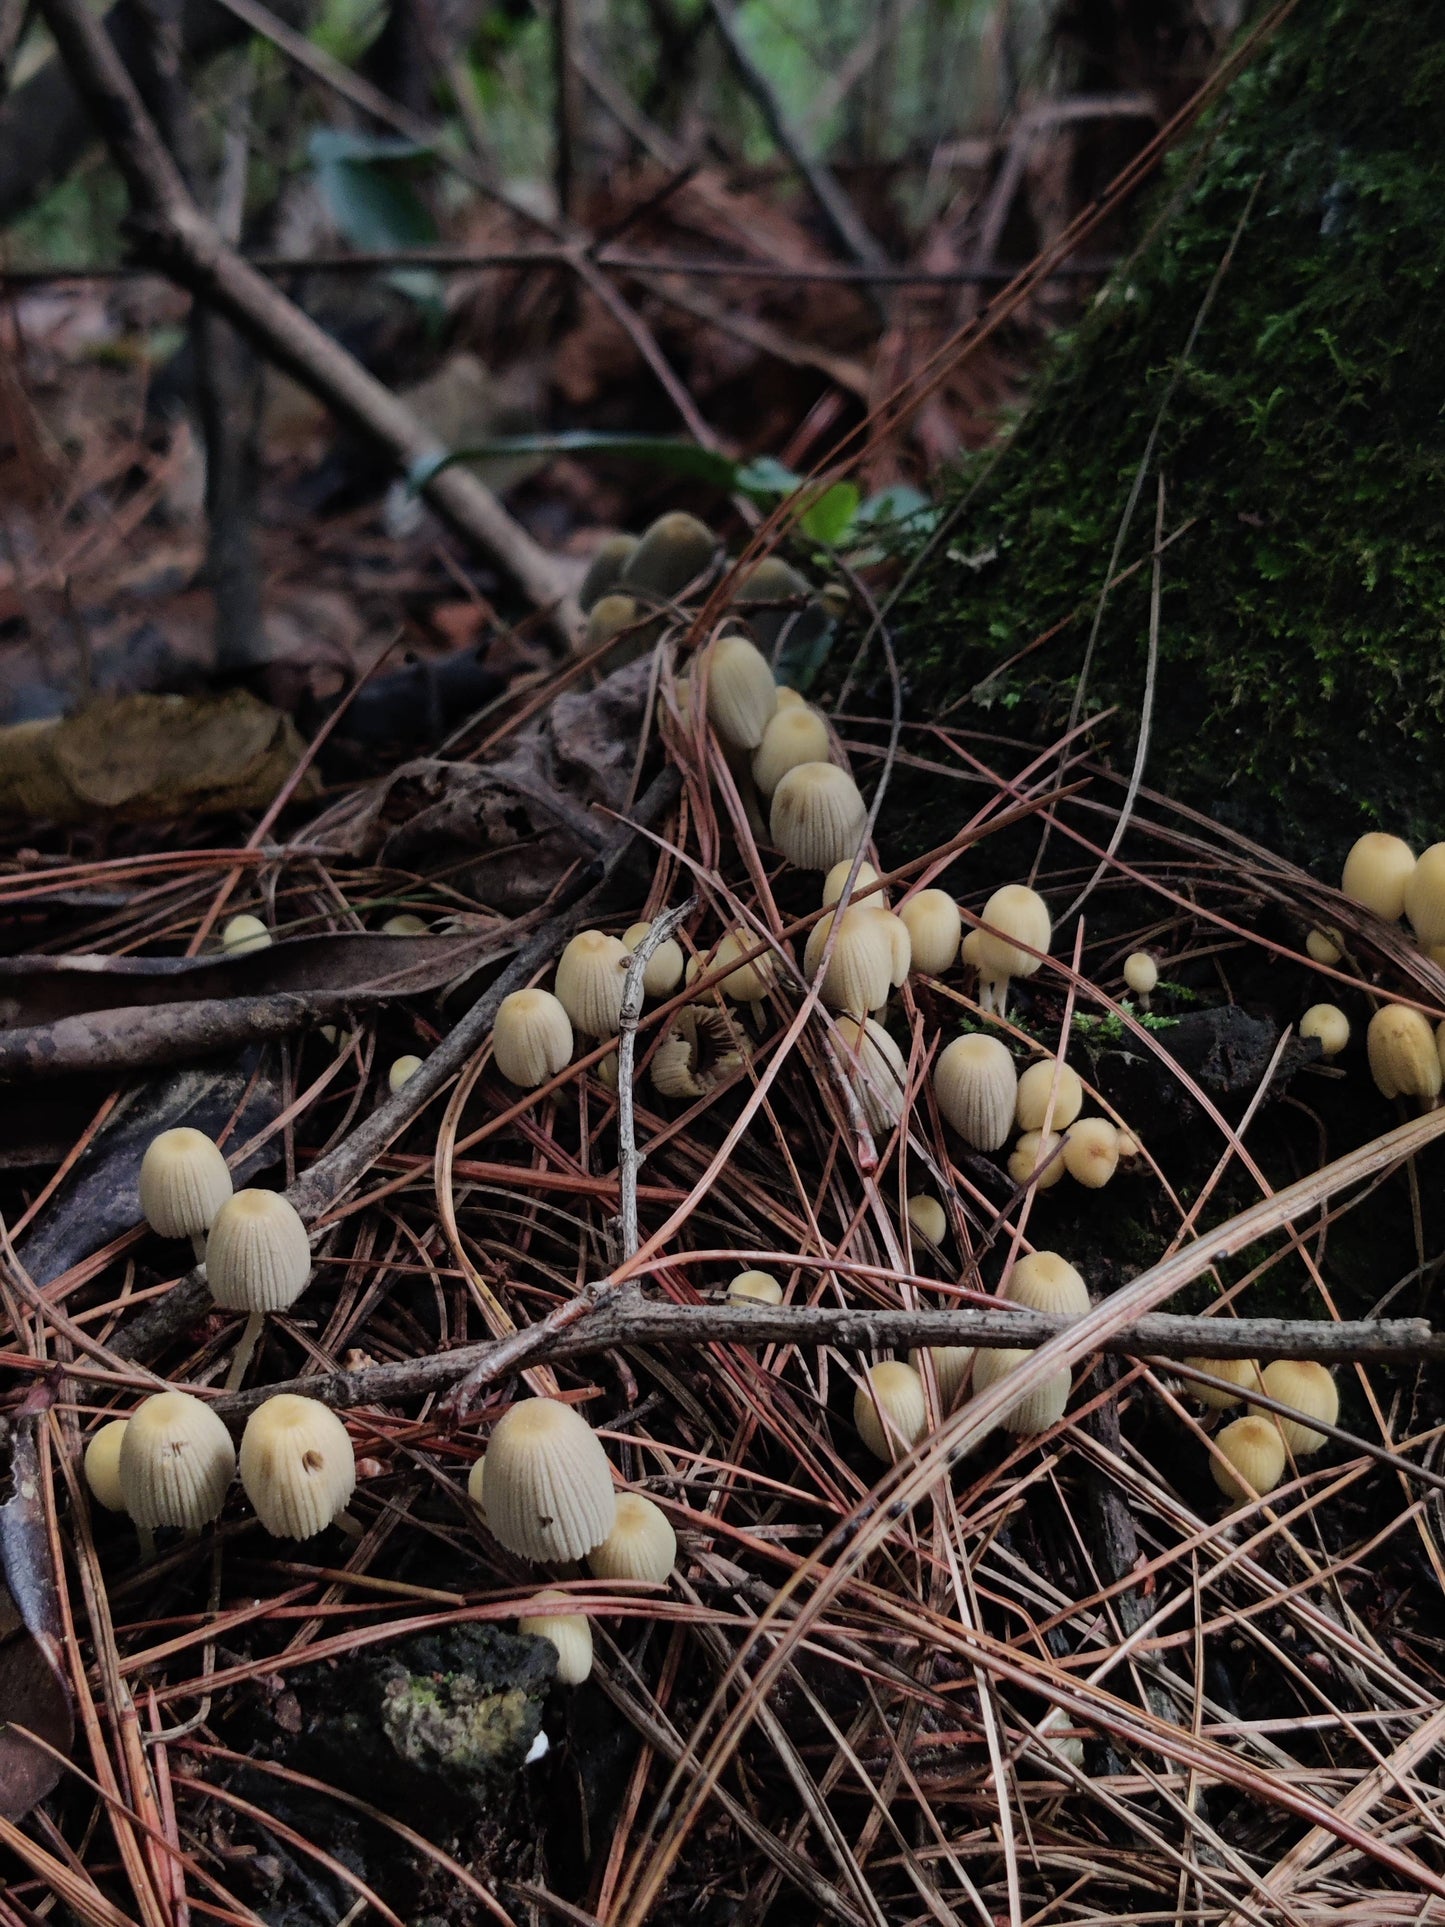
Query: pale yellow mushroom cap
column 976, row 1086
column 1376, row 873
column 1014, row 915
column 570, row 1633
column 1036, row 1411
column 549, row 1486
column 102, row 1465
column 701, row 1048
column 1091, row 1152
column 795, row 735
column 673, row 551
column 928, row 1218
column 1141, row 973
column 662, row 973
column 1035, row 1158
column 1425, row 896
column 1252, row 1459
column 875, row 1068
column 402, row 1070
column 405, row 924
column 789, row 698
column 1329, row 1024
column 761, row 1287
column 244, row 934
column 257, row 1254
column 1032, row 1105
column 890, row 1410
column 608, row 1070
column 1404, row 1059
column 951, row 1366
column 609, row 560
column 184, row 1181
column 476, row 1484
column 818, row 816
column 591, row 974
column 176, row 1461
column 838, row 876
column 641, row 1544
column 531, row 1038
column 860, row 970
column 751, row 981
column 1243, row 1372
column 297, row 1465
column 935, row 930
column 1324, row 946
column 1310, row 1388
column 969, row 950
column 1043, row 1281
column 741, row 694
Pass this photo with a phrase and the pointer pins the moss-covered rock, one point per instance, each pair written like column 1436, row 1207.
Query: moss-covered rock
column 1302, row 676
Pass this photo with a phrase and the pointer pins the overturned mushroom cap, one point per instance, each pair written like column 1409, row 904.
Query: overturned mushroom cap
column 591, row 973
column 662, row 973
column 1425, row 896
column 817, row 816
column 1376, row 874
column 1404, row 1061
column 1043, row 1281
column 102, row 1465
column 674, row 550
column 951, row 1366
column 1091, row 1152
column 795, row 735
column 531, row 1037
column 1243, row 1372
column 244, row 934
column 549, row 1486
column 257, row 1254
column 928, row 1218
column 741, row 694
column 758, row 1287
column 604, row 569
column 935, row 930
column 176, row 1461
column 1035, row 1086
column 701, row 1048
column 1013, row 916
column 860, row 970
column 890, row 1410
column 641, row 1544
column 838, row 876
column 875, row 1068
column 1252, row 1461
column 184, row 1181
column 402, row 1070
column 297, row 1465
column 1036, row 1159
column 405, row 924
column 1310, row 1388
column 976, row 1086
column 1141, row 973
column 1324, row 946
column 1329, row 1025
column 1036, row 1411
column 570, row 1633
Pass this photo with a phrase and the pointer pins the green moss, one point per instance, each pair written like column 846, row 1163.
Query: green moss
column 1302, row 676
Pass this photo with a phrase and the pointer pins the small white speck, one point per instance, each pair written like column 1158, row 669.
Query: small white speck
column 540, row 1748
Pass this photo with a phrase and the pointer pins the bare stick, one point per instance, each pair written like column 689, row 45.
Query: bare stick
column 627, row 1158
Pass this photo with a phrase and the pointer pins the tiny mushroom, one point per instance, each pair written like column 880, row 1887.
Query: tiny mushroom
column 244, row 934
column 1425, row 896
column 1036, row 1159
column 1248, row 1458
column 1014, row 926
column 1141, row 975
column 184, row 1181
column 672, row 552
column 641, row 1544
column 402, row 1070
column 591, row 974
column 1404, row 1059
column 795, row 735
column 176, row 1461
column 976, row 1085
column 1328, row 1025
column 102, row 1465
column 741, row 694
column 951, row 1367
column 890, row 1409
column 1043, row 1281
column 297, row 1465
column 1049, row 1091
column 1091, row 1152
column 1037, row 1411
column 1377, row 873
column 405, row 924
column 875, row 1069
column 756, row 1287
column 860, row 970
column 1324, row 946
column 817, row 816
column 1310, row 1388
column 838, row 876
column 928, row 1218
column 1243, row 1372
column 531, row 1037
column 549, row 1486
column 662, row 973
column 570, row 1633
column 258, row 1259
column 935, row 930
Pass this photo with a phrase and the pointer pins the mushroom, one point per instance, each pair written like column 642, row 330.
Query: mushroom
column 244, row 934
column 258, row 1259
column 759, row 1287
column 1015, row 924
column 184, row 1181
column 818, row 816
column 751, row 981
column 641, row 1544
column 1377, row 873
column 662, row 973
column 1035, row 1160
column 951, row 1366
column 860, row 971
column 613, row 615
column 1328, row 1024
column 297, row 1466
column 402, row 1070
column 549, row 1486
column 1425, row 897
column 1049, row 1079
column 838, row 876
column 1324, row 946
column 1037, row 1411
column 531, row 1037
column 604, row 570
column 741, row 694
column 102, row 1465
column 976, row 1086
column 570, row 1633
column 928, row 1218
column 176, row 1461
column 1311, row 1390
column 405, row 924
column 1043, row 1281
column 890, row 1410
column 1243, row 1372
column 1141, row 974
column 591, row 974
column 935, row 930
column 1091, row 1152
column 788, row 698
column 673, row 551
column 795, row 735
column 700, row 1049
column 476, row 1483
column 1248, row 1459
column 875, row 1069
column 1404, row 1059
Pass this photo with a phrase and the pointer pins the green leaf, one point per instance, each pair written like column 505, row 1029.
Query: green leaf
column 365, row 182
column 830, row 519
column 760, row 480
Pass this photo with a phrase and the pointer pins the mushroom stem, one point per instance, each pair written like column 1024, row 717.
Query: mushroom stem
column 244, row 1350
column 349, row 1524
column 198, row 1246
column 147, row 1541
column 1143, row 1000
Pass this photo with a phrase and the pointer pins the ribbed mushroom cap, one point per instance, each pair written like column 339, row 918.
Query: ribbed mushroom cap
column 297, row 1465
column 1243, row 1372
column 900, row 944
column 1404, row 1060
column 612, row 614
column 1035, row 1159
column 890, row 1411
column 741, row 694
column 257, row 1254
column 570, row 1633
column 1376, row 873
column 1425, row 896
column 607, row 1071
column 928, row 1218
column 817, row 816
column 405, row 924
column 184, row 1181
column 1013, row 915
column 604, row 570
column 591, row 973
column 860, row 970
column 1324, row 946
column 1036, row 1411
column 674, row 550
column 876, row 1069
column 402, row 1070
column 1309, row 1388
column 838, row 876
column 477, row 1484
column 1329, row 1024
column 976, row 1086
column 176, row 1461
column 662, row 973
column 1253, row 1458
column 1032, row 1104
column 102, row 1465
column 935, row 930
column 1141, row 973
column 531, row 1037
column 701, row 1048
column 244, row 934
column 758, row 1287
column 951, row 1367
column 641, row 1544
column 1043, row 1281
column 1091, row 1152
column 549, row 1486
column 751, row 981
column 795, row 735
